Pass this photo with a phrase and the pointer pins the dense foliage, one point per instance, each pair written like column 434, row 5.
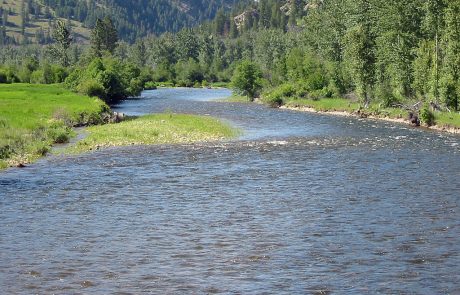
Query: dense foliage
column 390, row 53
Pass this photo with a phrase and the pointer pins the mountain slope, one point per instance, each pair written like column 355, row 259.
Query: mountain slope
column 30, row 20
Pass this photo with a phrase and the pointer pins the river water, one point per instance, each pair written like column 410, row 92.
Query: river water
column 299, row 204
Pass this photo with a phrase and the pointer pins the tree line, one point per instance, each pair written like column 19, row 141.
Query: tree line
column 389, row 52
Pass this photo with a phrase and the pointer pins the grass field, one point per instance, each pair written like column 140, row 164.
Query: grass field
column 155, row 129
column 32, row 117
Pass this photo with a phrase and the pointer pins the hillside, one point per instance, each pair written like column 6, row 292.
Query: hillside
column 29, row 21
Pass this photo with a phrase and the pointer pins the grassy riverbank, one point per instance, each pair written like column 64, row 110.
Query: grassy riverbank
column 236, row 98
column 443, row 120
column 33, row 117
column 155, row 129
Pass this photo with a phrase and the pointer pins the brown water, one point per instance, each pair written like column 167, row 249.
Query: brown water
column 300, row 204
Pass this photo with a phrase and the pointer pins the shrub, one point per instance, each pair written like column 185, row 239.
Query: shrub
column 59, row 74
column 150, row 85
column 315, row 81
column 320, row 93
column 73, row 80
column 449, row 93
column 135, row 87
column 59, row 134
column 385, row 95
column 11, row 75
column 273, row 101
column 427, row 116
column 3, row 77
column 92, row 88
column 276, row 96
column 247, row 79
column 38, row 77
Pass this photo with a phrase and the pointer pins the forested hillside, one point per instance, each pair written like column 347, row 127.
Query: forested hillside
column 30, row 21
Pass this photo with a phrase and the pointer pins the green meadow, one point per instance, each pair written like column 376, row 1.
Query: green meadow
column 33, row 117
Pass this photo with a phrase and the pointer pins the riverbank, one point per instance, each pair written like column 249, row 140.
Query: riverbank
column 167, row 128
column 34, row 117
column 445, row 122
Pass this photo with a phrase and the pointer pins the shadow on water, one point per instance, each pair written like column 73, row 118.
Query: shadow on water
column 301, row 204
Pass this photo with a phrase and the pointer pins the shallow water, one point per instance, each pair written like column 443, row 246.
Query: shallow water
column 300, row 204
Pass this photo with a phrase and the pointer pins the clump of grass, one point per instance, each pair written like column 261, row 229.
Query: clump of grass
column 165, row 128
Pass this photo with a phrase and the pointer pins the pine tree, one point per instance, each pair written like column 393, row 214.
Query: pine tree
column 110, row 35
column 62, row 38
column 104, row 36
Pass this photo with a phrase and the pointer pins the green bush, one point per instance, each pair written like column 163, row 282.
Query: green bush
column 276, row 96
column 59, row 74
column 320, row 93
column 385, row 95
column 92, row 88
column 247, row 79
column 11, row 75
column 37, row 77
column 450, row 94
column 427, row 116
column 109, row 78
column 5, row 151
column 273, row 101
column 150, row 85
column 74, row 79
column 135, row 87
column 3, row 77
column 315, row 81
column 59, row 134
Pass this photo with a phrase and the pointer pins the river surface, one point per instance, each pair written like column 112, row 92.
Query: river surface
column 299, row 204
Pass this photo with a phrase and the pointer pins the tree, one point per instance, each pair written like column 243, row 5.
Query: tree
column 359, row 49
column 360, row 59
column 451, row 70
column 62, row 38
column 104, row 36
column 433, row 24
column 247, row 79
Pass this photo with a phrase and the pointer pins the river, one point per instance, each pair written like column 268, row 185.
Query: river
column 299, row 204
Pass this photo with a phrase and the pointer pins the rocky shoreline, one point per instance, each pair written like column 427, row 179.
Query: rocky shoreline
column 406, row 121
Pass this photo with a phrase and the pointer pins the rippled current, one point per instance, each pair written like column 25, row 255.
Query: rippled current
column 299, row 204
